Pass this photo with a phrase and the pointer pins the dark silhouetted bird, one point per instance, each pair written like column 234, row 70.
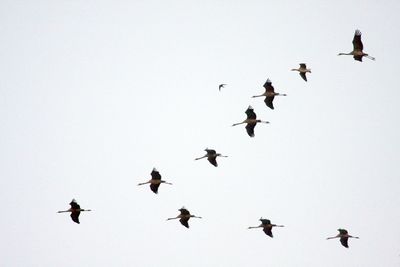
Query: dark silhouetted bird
column 344, row 237
column 251, row 121
column 75, row 210
column 211, row 156
column 184, row 217
column 267, row 226
column 358, row 47
column 302, row 71
column 269, row 94
column 155, row 181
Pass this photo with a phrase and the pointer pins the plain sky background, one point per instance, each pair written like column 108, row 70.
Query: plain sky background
column 94, row 94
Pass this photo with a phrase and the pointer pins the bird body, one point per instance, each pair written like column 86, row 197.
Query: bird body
column 184, row 217
column 269, row 94
column 344, row 237
column 358, row 47
column 302, row 71
column 222, row 85
column 211, row 156
column 75, row 211
column 155, row 181
column 251, row 121
column 267, row 226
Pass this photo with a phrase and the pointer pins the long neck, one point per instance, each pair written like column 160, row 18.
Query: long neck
column 332, row 237
column 173, row 218
column 238, row 123
column 258, row 95
column 253, row 227
column 61, row 211
column 201, row 157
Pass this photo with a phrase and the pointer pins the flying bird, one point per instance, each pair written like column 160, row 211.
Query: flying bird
column 75, row 210
column 211, row 156
column 222, row 85
column 155, row 181
column 344, row 237
column 184, row 217
column 269, row 94
column 267, row 226
column 302, row 71
column 251, row 121
column 357, row 52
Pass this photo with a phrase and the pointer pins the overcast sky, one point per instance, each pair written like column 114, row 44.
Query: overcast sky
column 94, row 94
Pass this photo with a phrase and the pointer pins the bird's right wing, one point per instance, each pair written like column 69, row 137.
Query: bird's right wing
column 251, row 114
column 250, row 129
column 344, row 240
column 303, row 75
column 268, row 101
column 155, row 175
column 268, row 231
column 357, row 43
column 185, row 222
column 75, row 216
column 154, row 188
column 213, row 161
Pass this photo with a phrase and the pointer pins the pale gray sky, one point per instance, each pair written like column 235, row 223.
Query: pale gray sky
column 94, row 94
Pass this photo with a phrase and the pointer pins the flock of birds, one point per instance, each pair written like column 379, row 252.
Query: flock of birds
column 251, row 121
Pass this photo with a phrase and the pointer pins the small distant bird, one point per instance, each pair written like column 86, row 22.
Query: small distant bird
column 184, row 217
column 357, row 52
column 251, row 121
column 155, row 181
column 75, row 210
column 211, row 156
column 222, row 85
column 267, row 226
column 344, row 237
column 302, row 71
column 269, row 94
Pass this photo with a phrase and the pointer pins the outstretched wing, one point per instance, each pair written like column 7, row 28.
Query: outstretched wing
column 265, row 221
column 213, row 161
column 343, row 231
column 268, row 231
column 268, row 86
column 268, row 101
column 357, row 44
column 358, row 58
column 303, row 75
column 250, row 129
column 74, row 205
column 184, row 211
column 154, row 188
column 185, row 222
column 211, row 151
column 75, row 216
column 155, row 175
column 344, row 240
column 251, row 114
